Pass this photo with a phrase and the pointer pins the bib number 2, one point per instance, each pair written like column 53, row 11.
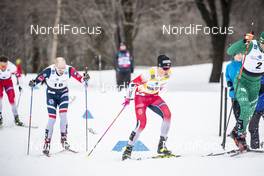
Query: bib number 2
column 259, row 64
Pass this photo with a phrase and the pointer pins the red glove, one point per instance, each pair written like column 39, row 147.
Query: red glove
column 126, row 102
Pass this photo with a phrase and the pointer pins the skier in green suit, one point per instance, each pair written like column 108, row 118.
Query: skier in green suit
column 247, row 88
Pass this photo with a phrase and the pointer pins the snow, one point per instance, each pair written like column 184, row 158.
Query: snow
column 194, row 104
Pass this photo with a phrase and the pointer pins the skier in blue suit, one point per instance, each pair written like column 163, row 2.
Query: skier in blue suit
column 232, row 70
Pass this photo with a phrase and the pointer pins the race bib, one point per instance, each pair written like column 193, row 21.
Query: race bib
column 254, row 61
column 124, row 62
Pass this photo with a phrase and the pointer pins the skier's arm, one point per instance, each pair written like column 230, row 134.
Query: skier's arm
column 15, row 72
column 238, row 47
column 42, row 76
column 76, row 75
column 228, row 78
column 141, row 79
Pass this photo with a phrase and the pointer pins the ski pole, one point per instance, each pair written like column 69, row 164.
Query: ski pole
column 238, row 79
column 30, row 117
column 221, row 104
column 18, row 101
column 86, row 109
column 225, row 116
column 107, row 130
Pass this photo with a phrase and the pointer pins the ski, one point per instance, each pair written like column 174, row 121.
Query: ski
column 235, row 152
column 159, row 156
column 71, row 150
column 247, row 151
column 61, row 151
column 223, row 153
column 27, row 126
column 23, row 126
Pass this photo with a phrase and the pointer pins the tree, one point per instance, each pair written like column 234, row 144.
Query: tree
column 55, row 36
column 209, row 14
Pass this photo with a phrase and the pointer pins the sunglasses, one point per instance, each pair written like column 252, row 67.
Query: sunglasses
column 166, row 68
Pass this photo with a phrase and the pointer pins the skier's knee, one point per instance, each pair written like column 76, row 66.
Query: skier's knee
column 167, row 114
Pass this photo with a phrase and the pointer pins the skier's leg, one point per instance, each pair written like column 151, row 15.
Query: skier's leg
column 63, row 108
column 141, row 123
column 11, row 97
column 236, row 108
column 242, row 96
column 51, row 106
column 254, row 130
column 140, row 109
column 161, row 108
column 239, row 131
column 247, row 96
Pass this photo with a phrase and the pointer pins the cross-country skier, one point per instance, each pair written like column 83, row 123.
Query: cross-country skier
column 231, row 71
column 249, row 84
column 56, row 77
column 147, row 91
column 7, row 69
column 254, row 122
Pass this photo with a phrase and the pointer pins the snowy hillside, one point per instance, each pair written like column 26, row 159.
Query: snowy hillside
column 194, row 104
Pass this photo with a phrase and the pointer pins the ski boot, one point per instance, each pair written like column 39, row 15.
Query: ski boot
column 18, row 122
column 162, row 149
column 127, row 152
column 239, row 139
column 64, row 142
column 46, row 147
column 1, row 119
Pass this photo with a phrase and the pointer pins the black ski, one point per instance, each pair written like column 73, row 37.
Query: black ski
column 247, row 151
column 223, row 153
column 235, row 152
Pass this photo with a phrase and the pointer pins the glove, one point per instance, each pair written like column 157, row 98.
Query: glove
column 32, row 83
column 248, row 37
column 229, row 83
column 20, row 88
column 126, row 102
column 86, row 76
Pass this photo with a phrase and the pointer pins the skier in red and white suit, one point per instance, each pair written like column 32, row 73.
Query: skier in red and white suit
column 147, row 91
column 7, row 69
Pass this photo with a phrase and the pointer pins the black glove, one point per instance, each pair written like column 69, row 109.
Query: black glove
column 86, row 76
column 32, row 83
column 229, row 83
column 19, row 88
